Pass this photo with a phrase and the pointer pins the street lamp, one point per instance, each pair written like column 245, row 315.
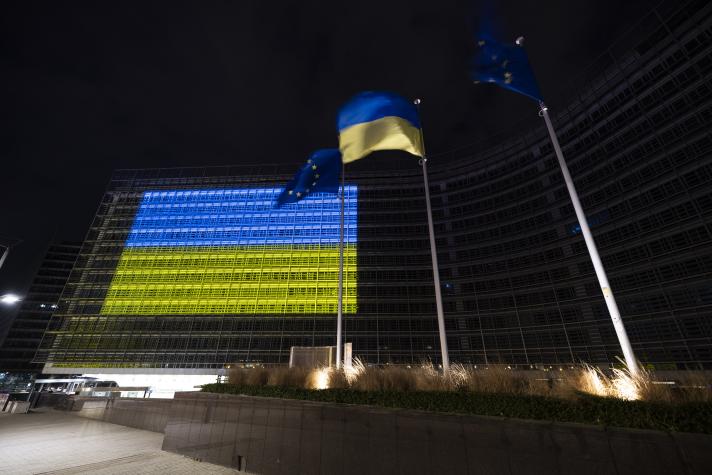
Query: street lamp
column 10, row 299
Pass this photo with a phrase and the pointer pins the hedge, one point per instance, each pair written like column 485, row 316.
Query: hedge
column 585, row 409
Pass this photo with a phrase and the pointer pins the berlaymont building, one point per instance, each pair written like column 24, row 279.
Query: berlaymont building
column 187, row 271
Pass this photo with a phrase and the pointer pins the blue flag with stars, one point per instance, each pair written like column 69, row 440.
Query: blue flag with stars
column 320, row 174
column 504, row 64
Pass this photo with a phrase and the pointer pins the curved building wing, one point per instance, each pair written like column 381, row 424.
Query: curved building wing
column 517, row 282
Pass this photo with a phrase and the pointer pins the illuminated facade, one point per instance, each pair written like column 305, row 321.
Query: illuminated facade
column 518, row 285
column 231, row 251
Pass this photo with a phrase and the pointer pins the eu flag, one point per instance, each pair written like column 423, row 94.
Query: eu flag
column 319, row 174
column 504, row 64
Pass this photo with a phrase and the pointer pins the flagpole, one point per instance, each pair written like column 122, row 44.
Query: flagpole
column 434, row 255
column 592, row 250
column 339, row 311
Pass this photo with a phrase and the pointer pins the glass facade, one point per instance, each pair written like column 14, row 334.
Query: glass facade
column 25, row 332
column 231, row 251
column 518, row 285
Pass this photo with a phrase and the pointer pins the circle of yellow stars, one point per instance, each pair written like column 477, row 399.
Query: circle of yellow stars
column 316, row 179
column 507, row 75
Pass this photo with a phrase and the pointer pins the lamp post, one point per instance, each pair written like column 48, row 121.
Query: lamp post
column 5, row 252
column 6, row 243
column 8, row 298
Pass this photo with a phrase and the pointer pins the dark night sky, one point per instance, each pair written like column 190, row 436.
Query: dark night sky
column 91, row 87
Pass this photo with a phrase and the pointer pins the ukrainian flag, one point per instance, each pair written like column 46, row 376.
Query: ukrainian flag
column 230, row 251
column 373, row 121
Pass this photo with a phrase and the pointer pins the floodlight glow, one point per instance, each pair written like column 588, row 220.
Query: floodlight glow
column 161, row 385
column 232, row 252
column 10, row 299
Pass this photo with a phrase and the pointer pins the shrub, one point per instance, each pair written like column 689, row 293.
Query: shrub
column 289, row 377
column 564, row 384
column 338, row 379
column 693, row 386
column 587, row 409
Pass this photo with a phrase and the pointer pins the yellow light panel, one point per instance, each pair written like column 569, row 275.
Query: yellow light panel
column 268, row 279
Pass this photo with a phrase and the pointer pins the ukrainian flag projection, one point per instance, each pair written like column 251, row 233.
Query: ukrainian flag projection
column 230, row 251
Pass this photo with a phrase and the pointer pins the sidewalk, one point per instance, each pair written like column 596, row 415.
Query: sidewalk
column 56, row 443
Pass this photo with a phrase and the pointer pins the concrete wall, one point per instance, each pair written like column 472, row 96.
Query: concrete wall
column 275, row 436
column 146, row 414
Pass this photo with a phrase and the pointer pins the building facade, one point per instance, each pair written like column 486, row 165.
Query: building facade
column 518, row 284
column 25, row 332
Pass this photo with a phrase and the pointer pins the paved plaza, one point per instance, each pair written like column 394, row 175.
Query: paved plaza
column 57, row 443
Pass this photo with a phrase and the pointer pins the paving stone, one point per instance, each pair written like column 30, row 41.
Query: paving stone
column 59, row 443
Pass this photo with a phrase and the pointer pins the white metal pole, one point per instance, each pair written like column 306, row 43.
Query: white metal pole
column 592, row 250
column 434, row 256
column 436, row 273
column 341, row 274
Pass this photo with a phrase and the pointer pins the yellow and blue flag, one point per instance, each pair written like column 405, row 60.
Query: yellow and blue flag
column 504, row 64
column 375, row 120
column 319, row 174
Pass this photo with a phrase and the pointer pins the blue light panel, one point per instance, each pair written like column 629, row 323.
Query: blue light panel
column 240, row 217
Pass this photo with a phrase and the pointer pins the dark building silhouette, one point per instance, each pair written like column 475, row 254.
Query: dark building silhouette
column 25, row 332
column 518, row 284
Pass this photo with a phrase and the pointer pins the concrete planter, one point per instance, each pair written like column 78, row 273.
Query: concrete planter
column 146, row 414
column 281, row 436
column 16, row 407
